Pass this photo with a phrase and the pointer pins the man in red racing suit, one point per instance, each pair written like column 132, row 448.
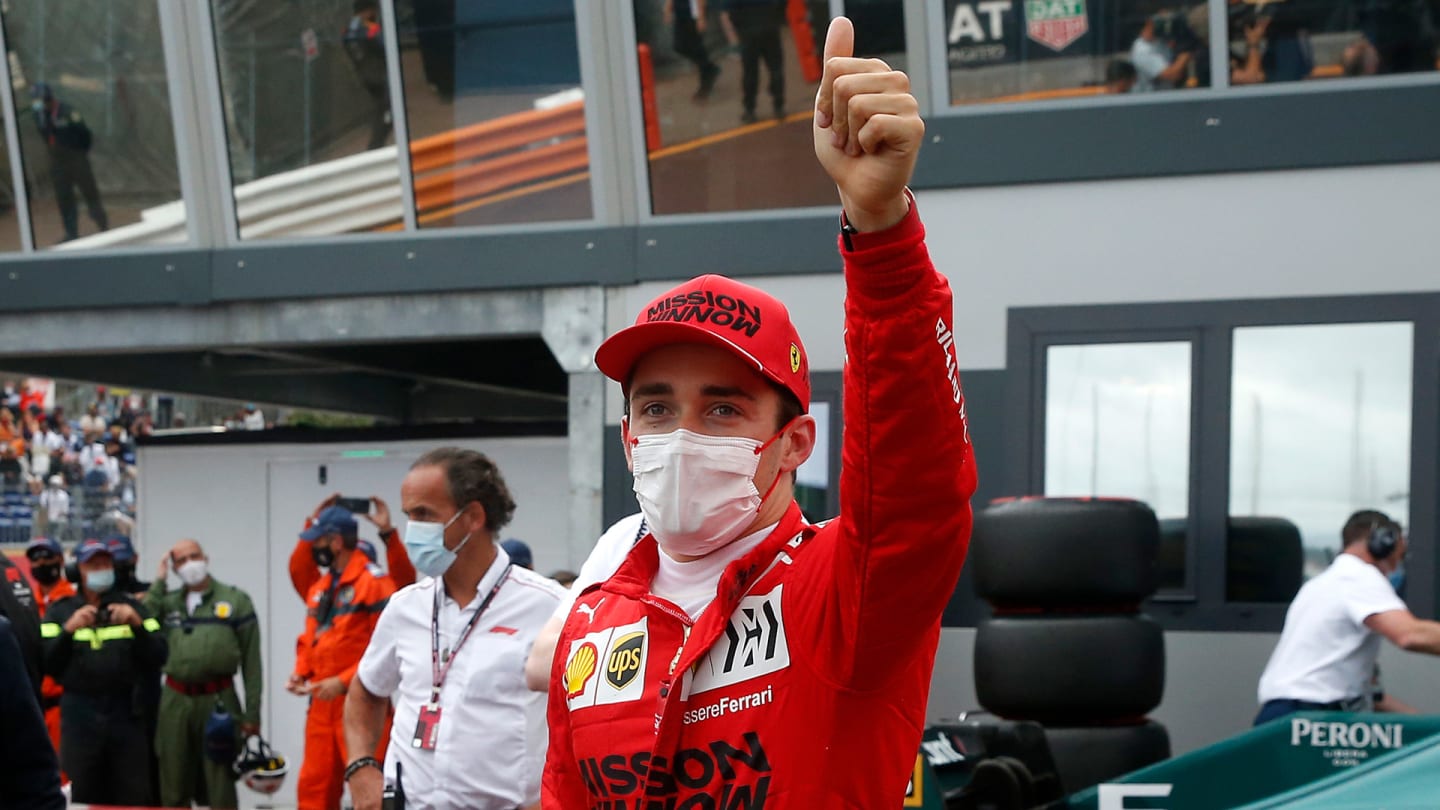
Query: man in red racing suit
column 800, row 680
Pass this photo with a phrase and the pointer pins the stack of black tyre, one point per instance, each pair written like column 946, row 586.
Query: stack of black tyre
column 1067, row 646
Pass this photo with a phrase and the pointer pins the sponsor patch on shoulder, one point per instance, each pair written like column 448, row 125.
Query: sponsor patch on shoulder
column 618, row 656
column 754, row 644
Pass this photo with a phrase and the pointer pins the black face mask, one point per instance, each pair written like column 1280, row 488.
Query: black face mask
column 322, row 555
column 46, row 575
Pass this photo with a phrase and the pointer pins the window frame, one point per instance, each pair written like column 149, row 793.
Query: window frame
column 1032, row 329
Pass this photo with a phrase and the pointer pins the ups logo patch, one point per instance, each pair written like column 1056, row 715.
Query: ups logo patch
column 626, row 656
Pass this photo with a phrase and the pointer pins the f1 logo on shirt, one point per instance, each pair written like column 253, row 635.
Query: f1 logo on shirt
column 753, row 645
column 619, row 654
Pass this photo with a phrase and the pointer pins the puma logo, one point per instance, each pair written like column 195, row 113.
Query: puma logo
column 589, row 611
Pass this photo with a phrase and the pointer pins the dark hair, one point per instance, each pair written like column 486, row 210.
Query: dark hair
column 1119, row 70
column 1359, row 526
column 473, row 478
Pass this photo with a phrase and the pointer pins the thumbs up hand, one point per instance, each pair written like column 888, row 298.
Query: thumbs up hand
column 867, row 131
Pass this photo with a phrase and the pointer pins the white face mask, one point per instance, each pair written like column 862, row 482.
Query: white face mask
column 697, row 492
column 192, row 572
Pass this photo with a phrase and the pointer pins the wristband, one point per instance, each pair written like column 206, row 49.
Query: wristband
column 362, row 762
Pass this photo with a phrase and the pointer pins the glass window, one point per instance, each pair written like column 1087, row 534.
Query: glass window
column 1319, row 428
column 1117, row 424
column 1316, row 39
column 728, row 89
column 495, row 111
column 306, row 95
column 96, row 134
column 812, row 479
column 9, row 218
column 1031, row 50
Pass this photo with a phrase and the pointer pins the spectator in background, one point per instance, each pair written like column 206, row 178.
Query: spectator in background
column 366, row 49
column 1360, row 58
column 212, row 632
column 99, row 646
column 1163, row 52
column 484, row 753
column 47, row 561
column 31, row 399
column 342, row 608
column 66, row 438
column 68, row 140
column 519, row 553
column 1325, row 658
column 688, row 19
column 14, row 474
column 32, row 780
column 758, row 24
column 1119, row 76
column 91, row 424
column 42, row 445
column 11, row 396
column 126, row 559
column 254, row 418
column 564, row 577
column 55, row 507
column 19, row 605
column 9, row 431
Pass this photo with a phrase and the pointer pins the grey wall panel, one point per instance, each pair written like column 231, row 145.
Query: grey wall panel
column 750, row 244
column 78, row 280
column 1197, row 132
column 425, row 263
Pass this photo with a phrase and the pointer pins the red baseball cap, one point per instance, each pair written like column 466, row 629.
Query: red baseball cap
column 716, row 311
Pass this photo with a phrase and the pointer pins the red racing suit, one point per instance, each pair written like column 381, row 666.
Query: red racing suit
column 803, row 685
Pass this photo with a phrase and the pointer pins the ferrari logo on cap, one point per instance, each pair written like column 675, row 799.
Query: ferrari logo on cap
column 794, row 358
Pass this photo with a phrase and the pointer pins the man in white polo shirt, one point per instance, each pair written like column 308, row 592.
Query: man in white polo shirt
column 1325, row 659
column 449, row 652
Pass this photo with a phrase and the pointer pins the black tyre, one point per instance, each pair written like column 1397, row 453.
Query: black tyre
column 1088, row 756
column 1070, row 670
column 1065, row 552
column 1265, row 560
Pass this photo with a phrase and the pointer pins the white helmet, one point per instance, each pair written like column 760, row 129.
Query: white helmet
column 262, row 770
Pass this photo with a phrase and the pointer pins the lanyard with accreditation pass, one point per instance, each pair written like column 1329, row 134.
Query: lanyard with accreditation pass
column 427, row 728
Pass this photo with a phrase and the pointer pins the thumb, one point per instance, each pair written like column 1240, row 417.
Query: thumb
column 840, row 39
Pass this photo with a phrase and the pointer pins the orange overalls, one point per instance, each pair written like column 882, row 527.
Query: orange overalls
column 340, row 617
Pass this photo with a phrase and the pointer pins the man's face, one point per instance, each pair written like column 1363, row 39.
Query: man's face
column 425, row 497
column 708, row 390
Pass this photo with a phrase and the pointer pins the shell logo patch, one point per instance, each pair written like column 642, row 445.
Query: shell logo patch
column 794, row 358
column 223, row 610
column 580, row 669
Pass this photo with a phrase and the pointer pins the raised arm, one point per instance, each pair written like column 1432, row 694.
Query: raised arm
column 1403, row 629
column 907, row 472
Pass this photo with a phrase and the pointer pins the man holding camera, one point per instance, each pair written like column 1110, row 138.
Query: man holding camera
column 212, row 631
column 98, row 645
column 1163, row 52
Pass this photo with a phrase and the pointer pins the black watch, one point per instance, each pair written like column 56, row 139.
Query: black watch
column 846, row 231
